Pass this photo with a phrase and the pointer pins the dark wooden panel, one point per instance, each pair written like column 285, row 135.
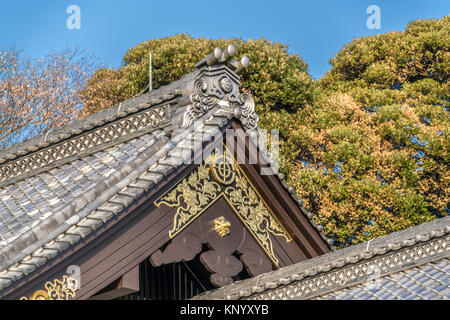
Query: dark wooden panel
column 123, row 237
column 131, row 248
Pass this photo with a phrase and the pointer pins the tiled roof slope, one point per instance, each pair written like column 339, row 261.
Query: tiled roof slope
column 28, row 202
column 426, row 282
column 57, row 188
column 409, row 264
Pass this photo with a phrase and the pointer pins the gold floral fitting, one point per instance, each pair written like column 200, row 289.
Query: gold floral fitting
column 56, row 290
column 222, row 226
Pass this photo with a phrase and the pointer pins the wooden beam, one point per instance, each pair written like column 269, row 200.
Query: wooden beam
column 126, row 284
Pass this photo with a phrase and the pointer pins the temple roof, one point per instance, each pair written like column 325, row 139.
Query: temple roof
column 57, row 188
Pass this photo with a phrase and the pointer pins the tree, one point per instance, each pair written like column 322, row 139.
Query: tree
column 366, row 146
column 37, row 95
column 371, row 155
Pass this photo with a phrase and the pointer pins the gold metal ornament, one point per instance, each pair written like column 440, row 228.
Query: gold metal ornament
column 222, row 226
column 56, row 290
column 222, row 169
column 223, row 177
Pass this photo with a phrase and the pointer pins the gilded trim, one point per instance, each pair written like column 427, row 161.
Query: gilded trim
column 219, row 176
column 196, row 191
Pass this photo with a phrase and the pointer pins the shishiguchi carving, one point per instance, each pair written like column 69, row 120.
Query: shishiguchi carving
column 220, row 176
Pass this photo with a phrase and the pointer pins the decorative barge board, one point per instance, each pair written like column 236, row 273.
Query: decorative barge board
column 150, row 199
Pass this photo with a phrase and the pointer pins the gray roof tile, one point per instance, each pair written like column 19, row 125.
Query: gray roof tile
column 408, row 284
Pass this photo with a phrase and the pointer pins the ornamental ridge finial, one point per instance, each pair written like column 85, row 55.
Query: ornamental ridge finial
column 214, row 84
column 218, row 57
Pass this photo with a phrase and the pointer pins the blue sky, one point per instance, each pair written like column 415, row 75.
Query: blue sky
column 315, row 30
